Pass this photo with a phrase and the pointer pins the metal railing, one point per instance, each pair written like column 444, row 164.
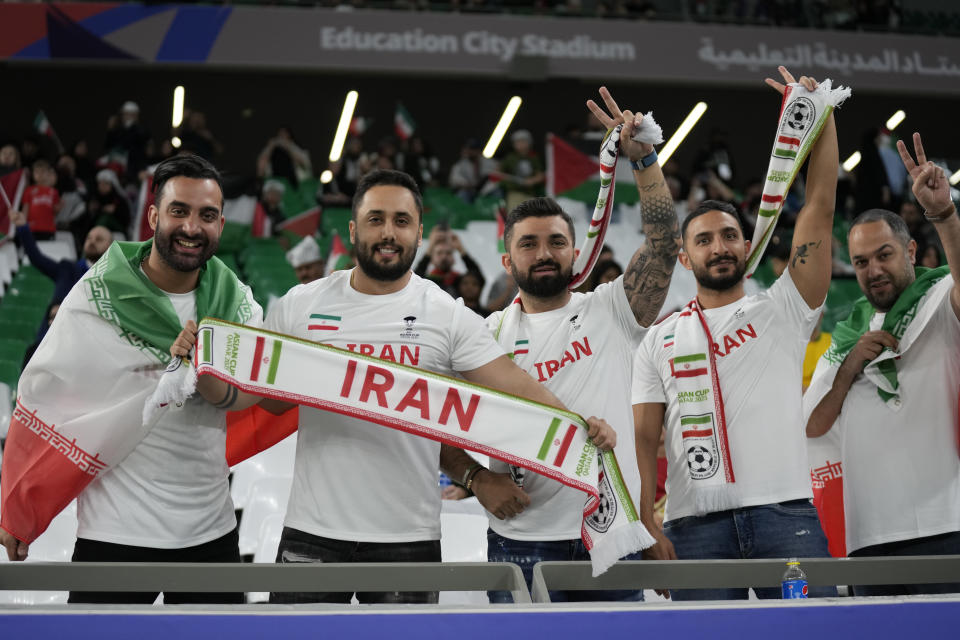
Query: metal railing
column 707, row 574
column 227, row 577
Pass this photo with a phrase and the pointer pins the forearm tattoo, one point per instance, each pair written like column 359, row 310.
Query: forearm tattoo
column 803, row 253
column 229, row 398
column 648, row 275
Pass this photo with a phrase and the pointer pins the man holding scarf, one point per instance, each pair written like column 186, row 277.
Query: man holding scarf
column 154, row 492
column 888, row 384
column 362, row 493
column 580, row 347
column 723, row 377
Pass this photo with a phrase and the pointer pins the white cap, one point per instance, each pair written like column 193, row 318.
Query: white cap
column 130, row 106
column 305, row 252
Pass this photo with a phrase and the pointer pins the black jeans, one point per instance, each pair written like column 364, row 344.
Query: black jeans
column 223, row 549
column 298, row 547
column 943, row 544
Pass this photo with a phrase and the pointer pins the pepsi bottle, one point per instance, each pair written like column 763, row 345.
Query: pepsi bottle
column 794, row 582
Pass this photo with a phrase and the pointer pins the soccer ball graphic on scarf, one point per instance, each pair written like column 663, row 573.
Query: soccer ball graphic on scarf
column 699, row 459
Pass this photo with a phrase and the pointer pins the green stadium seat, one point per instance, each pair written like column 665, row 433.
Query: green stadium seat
column 18, row 330
column 12, row 350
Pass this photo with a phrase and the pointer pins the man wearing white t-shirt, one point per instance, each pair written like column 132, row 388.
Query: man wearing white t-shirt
column 169, row 499
column 901, row 470
column 738, row 485
column 580, row 347
column 363, row 493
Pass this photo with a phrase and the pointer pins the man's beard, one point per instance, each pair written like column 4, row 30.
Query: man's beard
column 883, row 302
column 93, row 256
column 165, row 246
column 720, row 283
column 544, row 286
column 385, row 272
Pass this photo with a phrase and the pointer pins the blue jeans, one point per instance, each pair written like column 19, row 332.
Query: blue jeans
column 940, row 545
column 527, row 553
column 788, row 529
column 297, row 546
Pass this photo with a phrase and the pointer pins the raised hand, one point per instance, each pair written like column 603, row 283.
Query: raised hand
column 631, row 121
column 809, row 83
column 930, row 185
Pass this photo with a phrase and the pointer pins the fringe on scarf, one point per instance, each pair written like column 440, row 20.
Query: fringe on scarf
column 178, row 383
column 720, row 497
column 619, row 543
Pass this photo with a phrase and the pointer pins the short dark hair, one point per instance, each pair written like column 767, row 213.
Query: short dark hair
column 535, row 208
column 186, row 165
column 706, row 207
column 388, row 177
column 893, row 220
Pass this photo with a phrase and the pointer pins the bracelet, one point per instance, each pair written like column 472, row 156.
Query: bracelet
column 473, row 474
column 468, row 473
column 645, row 161
column 941, row 217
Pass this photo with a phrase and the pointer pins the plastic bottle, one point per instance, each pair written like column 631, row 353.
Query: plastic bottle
column 794, row 583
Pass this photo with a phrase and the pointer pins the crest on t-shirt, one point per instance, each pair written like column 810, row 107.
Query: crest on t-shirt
column 574, row 322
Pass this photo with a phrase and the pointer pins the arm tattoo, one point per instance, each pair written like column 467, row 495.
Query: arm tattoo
column 803, row 253
column 229, row 398
column 648, row 275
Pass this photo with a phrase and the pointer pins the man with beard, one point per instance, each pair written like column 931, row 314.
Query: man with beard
column 580, row 346
column 165, row 496
column 363, row 493
column 737, row 475
column 887, row 387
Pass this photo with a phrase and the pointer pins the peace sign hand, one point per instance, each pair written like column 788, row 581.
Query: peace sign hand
column 930, row 185
column 631, row 122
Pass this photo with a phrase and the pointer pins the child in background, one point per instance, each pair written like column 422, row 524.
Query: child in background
column 41, row 201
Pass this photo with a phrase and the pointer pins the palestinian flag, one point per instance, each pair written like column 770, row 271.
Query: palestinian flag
column 403, row 124
column 303, row 224
column 573, row 171
column 11, row 193
column 556, row 442
column 339, row 256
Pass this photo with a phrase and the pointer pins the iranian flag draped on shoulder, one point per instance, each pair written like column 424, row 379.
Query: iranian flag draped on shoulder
column 80, row 400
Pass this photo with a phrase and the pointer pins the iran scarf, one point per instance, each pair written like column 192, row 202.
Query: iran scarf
column 80, row 399
column 550, row 441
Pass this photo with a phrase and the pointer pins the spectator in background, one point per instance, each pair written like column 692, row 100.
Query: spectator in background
column 716, row 158
column 305, row 260
column 873, row 188
column 41, row 202
column 86, row 168
column 108, row 206
column 356, row 163
column 283, row 158
column 439, row 256
column 469, row 286
column 197, row 138
column 421, row 163
column 125, row 133
column 470, row 172
column 73, row 197
column 604, row 271
column 521, row 171
column 9, row 158
column 503, row 291
column 29, row 151
column 333, row 192
column 920, row 229
column 64, row 273
column 389, row 156
column 271, row 199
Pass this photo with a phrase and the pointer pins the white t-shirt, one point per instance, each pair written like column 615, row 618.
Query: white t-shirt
column 759, row 341
column 582, row 353
column 354, row 480
column 901, row 471
column 172, row 491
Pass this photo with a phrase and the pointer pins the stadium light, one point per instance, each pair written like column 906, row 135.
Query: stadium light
column 175, row 142
column 851, row 162
column 326, row 176
column 895, row 119
column 685, row 127
column 498, row 131
column 344, row 126
column 178, row 94
column 955, row 178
